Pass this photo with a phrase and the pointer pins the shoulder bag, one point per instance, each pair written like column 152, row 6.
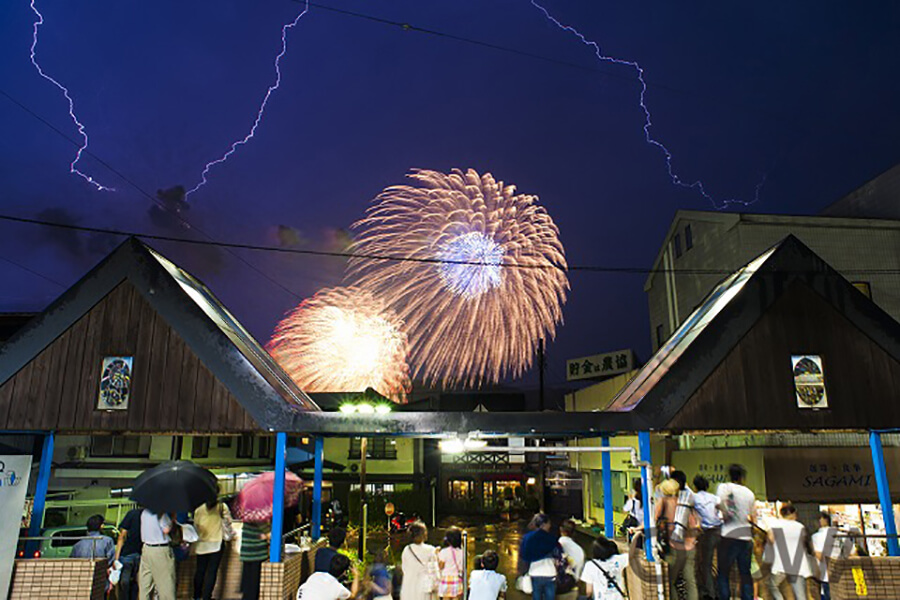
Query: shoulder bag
column 610, row 580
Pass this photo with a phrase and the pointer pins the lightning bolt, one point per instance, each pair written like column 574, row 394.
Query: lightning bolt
column 262, row 107
column 78, row 124
column 648, row 122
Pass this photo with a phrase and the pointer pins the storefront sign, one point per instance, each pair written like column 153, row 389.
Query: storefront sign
column 809, row 381
column 14, row 472
column 599, row 365
column 714, row 464
column 825, row 475
column 115, row 383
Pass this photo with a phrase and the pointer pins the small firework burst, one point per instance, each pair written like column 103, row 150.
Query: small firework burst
column 483, row 277
column 343, row 340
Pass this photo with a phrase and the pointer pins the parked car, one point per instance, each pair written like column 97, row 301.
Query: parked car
column 61, row 539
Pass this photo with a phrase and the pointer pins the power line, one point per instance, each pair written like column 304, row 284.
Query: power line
column 390, row 258
column 32, row 271
column 140, row 190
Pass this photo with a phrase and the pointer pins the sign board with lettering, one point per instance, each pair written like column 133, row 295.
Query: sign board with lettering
column 599, row 365
column 826, row 475
column 14, row 473
column 713, row 465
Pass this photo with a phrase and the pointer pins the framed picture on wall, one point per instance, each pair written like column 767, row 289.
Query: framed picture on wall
column 809, row 381
column 115, row 383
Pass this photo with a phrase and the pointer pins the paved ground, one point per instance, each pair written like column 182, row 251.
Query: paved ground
column 501, row 536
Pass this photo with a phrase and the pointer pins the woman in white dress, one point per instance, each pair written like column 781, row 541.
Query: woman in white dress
column 420, row 566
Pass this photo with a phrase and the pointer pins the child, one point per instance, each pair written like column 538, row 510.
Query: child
column 603, row 575
column 452, row 563
column 486, row 583
column 325, row 586
column 380, row 584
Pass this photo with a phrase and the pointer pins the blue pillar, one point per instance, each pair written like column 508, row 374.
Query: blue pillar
column 884, row 493
column 317, row 489
column 40, row 494
column 646, row 491
column 609, row 527
column 278, row 497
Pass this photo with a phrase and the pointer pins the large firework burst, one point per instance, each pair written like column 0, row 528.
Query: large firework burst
column 485, row 275
column 343, row 340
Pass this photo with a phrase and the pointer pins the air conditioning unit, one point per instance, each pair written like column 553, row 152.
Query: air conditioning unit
column 78, row 452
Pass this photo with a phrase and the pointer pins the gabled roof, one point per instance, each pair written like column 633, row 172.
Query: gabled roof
column 678, row 369
column 262, row 388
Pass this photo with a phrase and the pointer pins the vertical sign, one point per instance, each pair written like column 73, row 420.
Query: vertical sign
column 809, row 381
column 14, row 472
column 115, row 383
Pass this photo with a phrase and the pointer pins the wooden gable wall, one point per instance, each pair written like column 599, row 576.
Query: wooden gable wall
column 753, row 388
column 172, row 390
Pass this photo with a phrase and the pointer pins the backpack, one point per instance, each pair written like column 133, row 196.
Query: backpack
column 565, row 578
column 663, row 529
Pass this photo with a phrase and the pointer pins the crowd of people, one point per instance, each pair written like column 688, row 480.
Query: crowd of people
column 694, row 526
column 700, row 535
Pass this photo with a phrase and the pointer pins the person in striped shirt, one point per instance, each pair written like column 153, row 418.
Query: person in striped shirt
column 254, row 552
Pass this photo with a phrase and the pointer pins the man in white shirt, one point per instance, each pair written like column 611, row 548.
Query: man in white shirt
column 707, row 506
column 791, row 561
column 325, row 586
column 827, row 547
column 573, row 553
column 157, row 559
column 603, row 575
column 738, row 506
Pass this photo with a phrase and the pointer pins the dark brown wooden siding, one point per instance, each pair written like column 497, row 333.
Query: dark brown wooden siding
column 172, row 390
column 753, row 388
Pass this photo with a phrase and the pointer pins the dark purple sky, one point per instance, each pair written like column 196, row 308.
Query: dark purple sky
column 805, row 92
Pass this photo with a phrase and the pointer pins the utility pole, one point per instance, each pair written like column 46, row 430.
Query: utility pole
column 363, row 450
column 541, row 373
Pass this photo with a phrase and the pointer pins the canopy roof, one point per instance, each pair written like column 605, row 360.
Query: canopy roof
column 808, row 305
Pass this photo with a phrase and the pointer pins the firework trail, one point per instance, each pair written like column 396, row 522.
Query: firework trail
column 78, row 124
column 471, row 317
column 343, row 339
column 262, row 107
column 648, row 123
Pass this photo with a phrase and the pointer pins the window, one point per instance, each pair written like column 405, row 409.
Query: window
column 265, row 447
column 660, row 336
column 200, row 447
column 676, row 241
column 136, row 446
column 374, row 488
column 864, row 287
column 461, row 489
column 223, row 442
column 379, row 448
column 245, row 446
column 688, row 237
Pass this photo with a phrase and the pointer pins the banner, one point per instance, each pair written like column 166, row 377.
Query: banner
column 14, row 472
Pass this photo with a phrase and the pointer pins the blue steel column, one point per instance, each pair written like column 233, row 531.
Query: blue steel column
column 608, row 524
column 278, row 498
column 317, row 489
column 884, row 493
column 646, row 491
column 40, row 493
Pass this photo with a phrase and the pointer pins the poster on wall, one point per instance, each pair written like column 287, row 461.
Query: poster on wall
column 14, row 472
column 115, row 383
column 809, row 381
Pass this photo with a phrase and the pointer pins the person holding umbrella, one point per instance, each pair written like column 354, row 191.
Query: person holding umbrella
column 254, row 508
column 169, row 488
column 157, row 558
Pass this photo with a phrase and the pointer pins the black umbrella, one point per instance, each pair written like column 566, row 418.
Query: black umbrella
column 176, row 486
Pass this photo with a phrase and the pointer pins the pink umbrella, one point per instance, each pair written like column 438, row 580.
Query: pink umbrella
column 254, row 502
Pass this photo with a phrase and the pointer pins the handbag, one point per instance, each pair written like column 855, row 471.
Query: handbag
column 523, row 584
column 429, row 583
column 565, row 577
column 227, row 530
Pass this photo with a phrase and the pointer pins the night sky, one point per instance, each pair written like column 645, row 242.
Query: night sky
column 804, row 93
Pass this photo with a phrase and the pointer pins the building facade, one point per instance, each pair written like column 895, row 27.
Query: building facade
column 702, row 248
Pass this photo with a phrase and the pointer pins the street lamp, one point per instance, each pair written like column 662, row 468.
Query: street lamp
column 363, row 408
